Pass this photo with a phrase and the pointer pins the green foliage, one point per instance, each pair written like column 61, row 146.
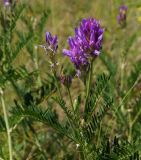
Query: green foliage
column 97, row 93
column 120, row 150
column 93, row 124
column 16, row 14
column 24, row 39
column 68, row 113
column 135, row 73
column 108, row 63
column 48, row 117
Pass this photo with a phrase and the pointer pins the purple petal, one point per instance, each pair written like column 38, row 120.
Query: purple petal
column 100, row 37
column 67, row 52
column 54, row 40
column 71, row 42
column 96, row 52
column 48, row 37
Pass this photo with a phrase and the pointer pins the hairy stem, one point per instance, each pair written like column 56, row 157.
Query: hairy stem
column 7, row 124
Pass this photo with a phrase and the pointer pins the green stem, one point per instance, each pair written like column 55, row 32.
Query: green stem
column 57, row 85
column 71, row 102
column 121, row 70
column 89, row 79
column 82, row 155
column 85, row 154
column 89, row 82
column 99, row 134
column 132, row 123
column 7, row 124
column 35, row 59
column 130, row 129
column 136, row 117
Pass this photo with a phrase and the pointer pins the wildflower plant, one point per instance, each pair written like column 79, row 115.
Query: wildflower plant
column 122, row 16
column 98, row 122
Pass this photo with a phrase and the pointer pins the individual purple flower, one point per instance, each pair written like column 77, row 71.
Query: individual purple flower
column 51, row 41
column 86, row 44
column 7, row 2
column 121, row 18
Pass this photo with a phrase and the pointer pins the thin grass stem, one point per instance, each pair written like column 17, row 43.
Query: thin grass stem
column 7, row 124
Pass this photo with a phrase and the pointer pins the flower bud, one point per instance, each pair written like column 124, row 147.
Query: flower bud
column 121, row 18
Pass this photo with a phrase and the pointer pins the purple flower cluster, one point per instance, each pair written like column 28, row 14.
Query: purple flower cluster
column 121, row 18
column 52, row 42
column 7, row 2
column 86, row 43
